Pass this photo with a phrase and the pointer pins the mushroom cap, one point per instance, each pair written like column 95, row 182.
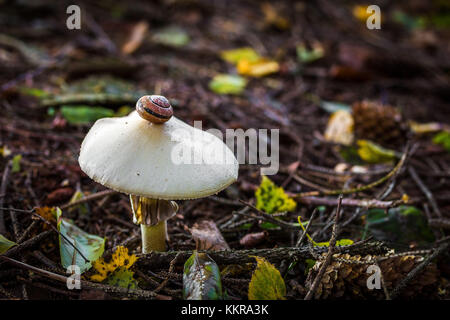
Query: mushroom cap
column 170, row 161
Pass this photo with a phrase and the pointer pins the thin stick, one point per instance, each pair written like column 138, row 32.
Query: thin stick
column 5, row 179
column 359, row 189
column 328, row 257
column 90, row 197
column 268, row 217
column 425, row 191
column 303, row 236
column 87, row 284
column 171, row 266
column 51, row 226
column 365, row 203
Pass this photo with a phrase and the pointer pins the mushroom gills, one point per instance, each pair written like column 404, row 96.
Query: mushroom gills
column 152, row 215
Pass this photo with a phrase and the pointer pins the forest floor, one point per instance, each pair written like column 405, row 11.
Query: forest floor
column 405, row 64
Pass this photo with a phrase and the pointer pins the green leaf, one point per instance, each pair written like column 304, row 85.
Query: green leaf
column 172, row 37
column 272, row 199
column 201, row 278
column 409, row 22
column 34, row 92
column 227, row 84
column 5, row 244
column 16, row 163
column 84, row 114
column 122, row 277
column 266, row 282
column 91, row 246
column 374, row 153
column 331, row 107
column 306, row 56
column 235, row 55
column 443, row 139
column 402, row 225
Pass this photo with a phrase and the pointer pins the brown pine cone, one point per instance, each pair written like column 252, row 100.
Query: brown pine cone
column 349, row 280
column 379, row 123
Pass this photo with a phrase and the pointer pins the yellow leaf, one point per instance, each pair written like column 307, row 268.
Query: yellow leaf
column 266, row 282
column 258, row 68
column 340, row 128
column 272, row 199
column 235, row 55
column 360, row 13
column 423, row 128
column 120, row 258
column 373, row 153
column 4, row 151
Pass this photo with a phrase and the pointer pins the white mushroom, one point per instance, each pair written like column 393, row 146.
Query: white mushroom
column 156, row 163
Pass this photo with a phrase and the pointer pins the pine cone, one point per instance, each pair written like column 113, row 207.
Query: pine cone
column 349, row 280
column 379, row 123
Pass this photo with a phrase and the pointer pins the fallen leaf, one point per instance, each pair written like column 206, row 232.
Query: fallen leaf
column 208, row 237
column 266, row 282
column 5, row 244
column 119, row 259
column 272, row 199
column 258, row 68
column 5, row 152
column 330, row 106
column 84, row 114
column 91, row 246
column 306, row 55
column 424, row 128
column 227, row 84
column 374, row 153
column 16, row 163
column 235, row 55
column 122, row 277
column 340, row 128
column 201, row 278
column 250, row 240
column 171, row 36
column 59, row 195
column 136, row 38
column 400, row 226
column 443, row 139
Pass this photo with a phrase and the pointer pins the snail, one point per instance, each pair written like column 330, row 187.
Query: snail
column 154, row 108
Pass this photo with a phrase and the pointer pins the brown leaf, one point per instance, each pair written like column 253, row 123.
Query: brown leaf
column 208, row 237
column 252, row 239
column 137, row 36
column 59, row 195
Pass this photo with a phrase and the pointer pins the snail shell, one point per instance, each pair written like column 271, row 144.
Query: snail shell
column 154, row 108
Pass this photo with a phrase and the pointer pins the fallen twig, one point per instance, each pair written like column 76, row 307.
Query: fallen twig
column 160, row 260
column 5, row 179
column 359, row 189
column 365, row 203
column 90, row 197
column 425, row 190
column 329, row 255
column 87, row 284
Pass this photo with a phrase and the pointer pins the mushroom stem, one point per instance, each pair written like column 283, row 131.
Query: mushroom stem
column 152, row 215
column 154, row 237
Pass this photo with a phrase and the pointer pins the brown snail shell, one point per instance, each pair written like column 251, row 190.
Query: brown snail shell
column 154, row 108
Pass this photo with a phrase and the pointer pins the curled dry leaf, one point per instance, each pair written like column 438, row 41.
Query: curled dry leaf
column 208, row 237
column 340, row 128
column 136, row 38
